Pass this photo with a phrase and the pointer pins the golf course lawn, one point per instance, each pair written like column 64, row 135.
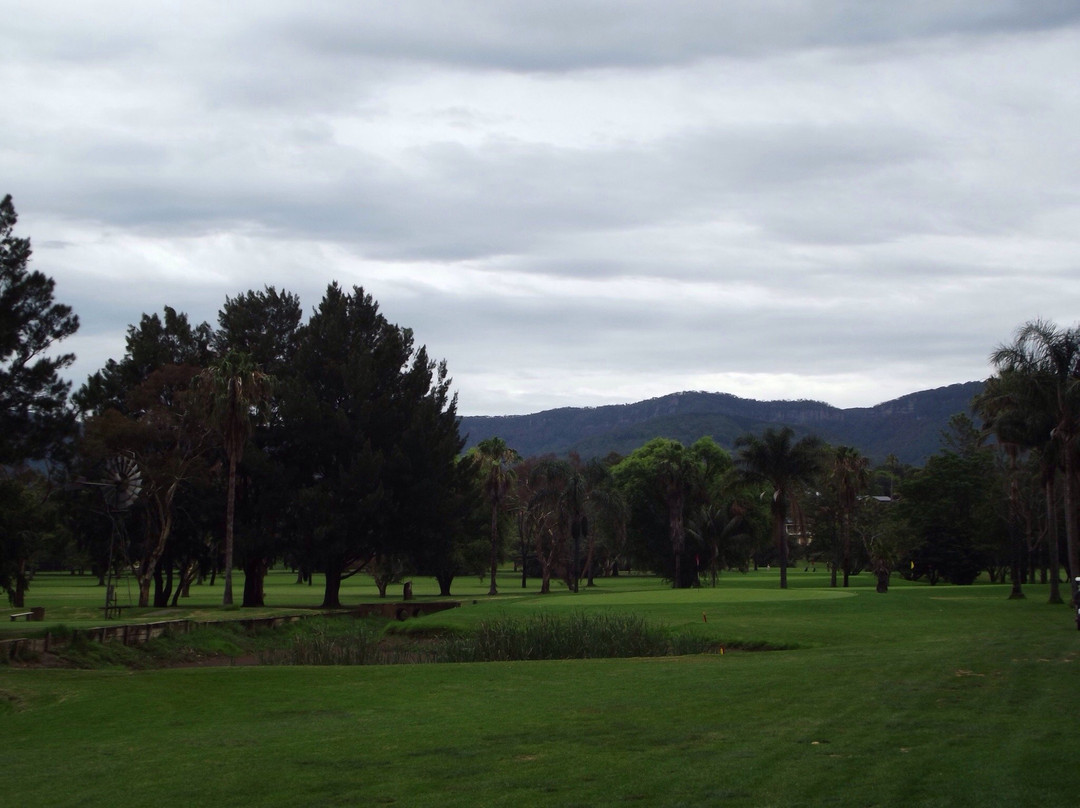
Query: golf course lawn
column 925, row 696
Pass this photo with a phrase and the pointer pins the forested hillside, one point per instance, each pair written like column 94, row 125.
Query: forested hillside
column 908, row 427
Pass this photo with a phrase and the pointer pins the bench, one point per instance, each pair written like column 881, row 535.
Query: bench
column 37, row 614
column 112, row 610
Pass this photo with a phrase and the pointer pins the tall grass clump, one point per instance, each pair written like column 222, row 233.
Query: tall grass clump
column 353, row 642
column 576, row 636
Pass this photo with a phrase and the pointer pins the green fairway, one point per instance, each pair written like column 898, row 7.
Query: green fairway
column 922, row 697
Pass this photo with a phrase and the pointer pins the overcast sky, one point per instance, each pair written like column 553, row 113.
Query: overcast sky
column 572, row 202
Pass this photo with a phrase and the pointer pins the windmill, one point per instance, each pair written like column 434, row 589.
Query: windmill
column 120, row 484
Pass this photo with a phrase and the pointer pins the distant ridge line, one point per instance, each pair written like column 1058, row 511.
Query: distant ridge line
column 909, row 426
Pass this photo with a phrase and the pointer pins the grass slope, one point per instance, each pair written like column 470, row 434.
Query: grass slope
column 922, row 697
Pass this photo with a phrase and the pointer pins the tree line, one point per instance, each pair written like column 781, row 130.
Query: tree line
column 329, row 444
column 986, row 504
column 332, row 445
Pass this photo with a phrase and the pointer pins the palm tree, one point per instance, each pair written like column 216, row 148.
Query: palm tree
column 723, row 525
column 611, row 510
column 775, row 459
column 497, row 461
column 570, row 492
column 850, row 475
column 234, row 388
column 1049, row 358
column 540, row 519
column 560, row 491
column 679, row 475
column 1016, row 410
column 1048, row 469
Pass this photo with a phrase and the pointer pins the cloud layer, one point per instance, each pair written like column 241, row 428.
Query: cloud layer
column 573, row 203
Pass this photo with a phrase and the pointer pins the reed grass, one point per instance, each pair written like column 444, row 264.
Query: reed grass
column 577, row 635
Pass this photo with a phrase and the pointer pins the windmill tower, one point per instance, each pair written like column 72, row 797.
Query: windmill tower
column 121, row 483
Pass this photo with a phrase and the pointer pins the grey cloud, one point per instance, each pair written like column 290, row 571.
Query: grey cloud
column 565, row 35
column 849, row 189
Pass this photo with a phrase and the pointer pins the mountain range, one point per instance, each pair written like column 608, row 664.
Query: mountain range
column 908, row 427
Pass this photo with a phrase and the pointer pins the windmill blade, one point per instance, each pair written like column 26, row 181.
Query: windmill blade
column 123, row 482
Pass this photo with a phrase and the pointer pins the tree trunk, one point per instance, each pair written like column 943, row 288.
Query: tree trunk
column 575, row 572
column 444, row 579
column 1017, row 592
column 163, row 586
column 881, row 570
column 254, row 579
column 178, row 591
column 493, row 590
column 230, row 512
column 678, row 538
column 162, row 503
column 18, row 595
column 780, row 534
column 847, row 549
column 144, row 589
column 1052, row 541
column 524, row 556
column 332, row 590
column 187, row 572
column 589, row 560
column 1070, row 524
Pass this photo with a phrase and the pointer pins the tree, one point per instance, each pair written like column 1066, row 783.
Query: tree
column 850, row 478
column 949, row 508
column 665, row 483
column 1016, row 429
column 1049, row 358
column 142, row 403
column 29, row 519
column 265, row 326
column 1021, row 411
column 785, row 465
column 887, row 477
column 463, row 543
column 370, row 429
column 34, row 418
column 884, row 535
column 165, row 431
column 496, row 461
column 727, row 528
column 539, row 522
column 233, row 387
column 679, row 476
column 154, row 343
column 572, row 500
column 610, row 514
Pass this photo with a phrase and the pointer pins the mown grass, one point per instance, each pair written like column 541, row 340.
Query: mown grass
column 940, row 696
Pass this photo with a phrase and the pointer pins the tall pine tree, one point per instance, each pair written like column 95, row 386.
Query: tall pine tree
column 34, row 418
